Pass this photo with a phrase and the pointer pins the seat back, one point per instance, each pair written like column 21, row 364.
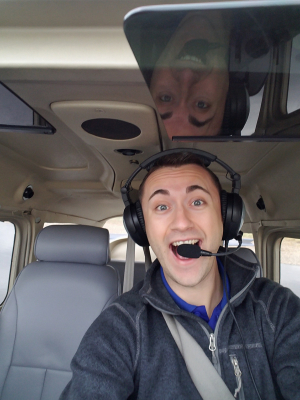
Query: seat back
column 50, row 307
column 139, row 271
column 248, row 255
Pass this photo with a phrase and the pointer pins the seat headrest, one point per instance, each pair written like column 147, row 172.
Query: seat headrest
column 74, row 244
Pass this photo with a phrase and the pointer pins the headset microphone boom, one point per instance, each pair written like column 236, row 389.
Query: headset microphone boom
column 194, row 251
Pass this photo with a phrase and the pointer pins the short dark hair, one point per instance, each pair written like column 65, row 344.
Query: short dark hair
column 178, row 160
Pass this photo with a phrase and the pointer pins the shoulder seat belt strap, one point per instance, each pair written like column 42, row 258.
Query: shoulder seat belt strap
column 205, row 377
column 129, row 266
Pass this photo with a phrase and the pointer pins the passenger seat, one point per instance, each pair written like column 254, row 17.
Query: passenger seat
column 50, row 307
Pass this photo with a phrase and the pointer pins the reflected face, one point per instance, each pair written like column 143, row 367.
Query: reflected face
column 190, row 80
column 179, row 204
column 188, row 105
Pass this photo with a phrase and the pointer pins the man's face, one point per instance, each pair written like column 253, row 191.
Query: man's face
column 188, row 104
column 180, row 204
column 190, row 81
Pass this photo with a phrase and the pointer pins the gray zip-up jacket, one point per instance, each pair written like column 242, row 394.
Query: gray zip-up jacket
column 129, row 353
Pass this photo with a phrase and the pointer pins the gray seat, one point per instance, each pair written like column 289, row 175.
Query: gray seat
column 248, row 255
column 139, row 271
column 50, row 307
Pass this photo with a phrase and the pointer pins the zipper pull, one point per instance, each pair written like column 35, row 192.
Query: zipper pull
column 212, row 342
column 238, row 374
column 212, row 347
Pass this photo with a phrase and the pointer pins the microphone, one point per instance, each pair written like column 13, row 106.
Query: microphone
column 193, row 251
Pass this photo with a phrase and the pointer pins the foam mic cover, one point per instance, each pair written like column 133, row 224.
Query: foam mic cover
column 189, row 251
column 193, row 251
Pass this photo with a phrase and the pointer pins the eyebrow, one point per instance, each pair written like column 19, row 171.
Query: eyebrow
column 192, row 120
column 159, row 191
column 189, row 189
column 166, row 115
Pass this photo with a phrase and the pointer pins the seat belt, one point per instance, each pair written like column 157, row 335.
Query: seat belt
column 148, row 261
column 129, row 265
column 205, row 377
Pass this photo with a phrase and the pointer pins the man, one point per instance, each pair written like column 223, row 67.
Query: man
column 129, row 352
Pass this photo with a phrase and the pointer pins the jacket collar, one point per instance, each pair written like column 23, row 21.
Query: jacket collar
column 241, row 275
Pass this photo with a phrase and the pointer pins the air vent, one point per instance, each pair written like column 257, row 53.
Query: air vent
column 128, row 152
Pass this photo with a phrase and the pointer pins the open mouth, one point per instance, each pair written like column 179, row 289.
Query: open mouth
column 196, row 50
column 174, row 246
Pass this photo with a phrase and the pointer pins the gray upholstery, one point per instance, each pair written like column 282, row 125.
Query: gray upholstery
column 73, row 243
column 248, row 255
column 139, row 271
column 50, row 308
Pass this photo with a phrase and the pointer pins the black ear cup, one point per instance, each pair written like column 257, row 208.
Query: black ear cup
column 232, row 208
column 237, row 109
column 134, row 223
column 223, row 196
column 140, row 215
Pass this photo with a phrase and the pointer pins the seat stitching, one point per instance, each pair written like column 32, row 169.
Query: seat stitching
column 43, row 385
column 13, row 293
column 43, row 368
column 112, row 296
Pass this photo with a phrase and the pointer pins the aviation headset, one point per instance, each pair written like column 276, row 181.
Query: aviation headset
column 237, row 109
column 232, row 206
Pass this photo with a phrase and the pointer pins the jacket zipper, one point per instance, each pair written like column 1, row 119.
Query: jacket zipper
column 238, row 374
column 212, row 347
column 212, row 336
column 215, row 357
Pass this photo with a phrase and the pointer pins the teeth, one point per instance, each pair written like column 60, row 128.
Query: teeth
column 191, row 241
column 187, row 57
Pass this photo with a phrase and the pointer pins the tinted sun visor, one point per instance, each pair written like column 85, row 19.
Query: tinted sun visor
column 220, row 71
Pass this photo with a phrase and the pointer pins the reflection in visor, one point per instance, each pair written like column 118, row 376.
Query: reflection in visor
column 196, row 50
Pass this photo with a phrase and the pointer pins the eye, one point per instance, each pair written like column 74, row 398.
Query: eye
column 201, row 104
column 165, row 98
column 162, row 207
column 197, row 203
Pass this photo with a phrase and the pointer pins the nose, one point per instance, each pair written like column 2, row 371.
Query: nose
column 182, row 220
column 185, row 76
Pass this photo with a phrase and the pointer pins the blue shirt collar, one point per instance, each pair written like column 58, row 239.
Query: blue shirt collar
column 201, row 310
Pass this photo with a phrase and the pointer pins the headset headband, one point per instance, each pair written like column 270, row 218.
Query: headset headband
column 206, row 157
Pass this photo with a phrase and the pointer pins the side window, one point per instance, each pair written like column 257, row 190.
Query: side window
column 255, row 104
column 290, row 264
column 117, row 237
column 118, row 241
column 116, row 228
column 7, row 239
